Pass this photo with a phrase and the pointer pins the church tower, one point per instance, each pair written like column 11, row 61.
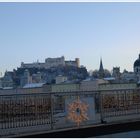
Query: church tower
column 101, row 70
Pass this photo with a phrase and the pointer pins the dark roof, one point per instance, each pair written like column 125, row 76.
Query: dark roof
column 137, row 62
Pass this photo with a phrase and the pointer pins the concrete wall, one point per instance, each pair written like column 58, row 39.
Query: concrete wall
column 65, row 87
column 116, row 86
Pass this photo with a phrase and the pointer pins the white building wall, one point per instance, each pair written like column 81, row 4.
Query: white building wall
column 91, row 85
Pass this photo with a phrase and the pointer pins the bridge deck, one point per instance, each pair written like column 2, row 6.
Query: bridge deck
column 90, row 131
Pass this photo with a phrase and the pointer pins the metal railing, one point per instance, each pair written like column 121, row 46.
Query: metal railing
column 32, row 113
column 120, row 103
column 27, row 113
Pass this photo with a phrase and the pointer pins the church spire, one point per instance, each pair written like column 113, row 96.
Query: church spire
column 101, row 69
column 101, row 65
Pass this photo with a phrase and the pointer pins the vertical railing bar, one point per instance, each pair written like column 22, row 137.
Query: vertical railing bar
column 51, row 98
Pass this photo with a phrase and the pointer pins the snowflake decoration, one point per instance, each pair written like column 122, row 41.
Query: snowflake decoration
column 77, row 111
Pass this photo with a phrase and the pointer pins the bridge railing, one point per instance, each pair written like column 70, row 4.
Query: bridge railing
column 29, row 113
column 20, row 111
column 45, row 112
column 118, row 103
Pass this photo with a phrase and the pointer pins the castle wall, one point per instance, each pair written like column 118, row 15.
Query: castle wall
column 52, row 62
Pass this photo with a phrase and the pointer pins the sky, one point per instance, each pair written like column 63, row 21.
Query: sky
column 89, row 31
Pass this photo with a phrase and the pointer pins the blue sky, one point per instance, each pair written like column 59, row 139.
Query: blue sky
column 31, row 31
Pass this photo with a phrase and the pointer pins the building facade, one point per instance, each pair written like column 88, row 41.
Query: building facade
column 65, row 87
column 7, row 81
column 91, row 85
column 116, row 73
column 60, row 79
column 26, row 78
column 118, row 86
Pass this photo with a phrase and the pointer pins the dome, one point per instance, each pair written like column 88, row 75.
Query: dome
column 137, row 62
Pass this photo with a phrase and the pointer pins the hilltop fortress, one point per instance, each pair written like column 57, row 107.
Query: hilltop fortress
column 52, row 62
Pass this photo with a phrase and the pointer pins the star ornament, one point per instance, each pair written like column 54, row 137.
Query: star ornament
column 77, row 111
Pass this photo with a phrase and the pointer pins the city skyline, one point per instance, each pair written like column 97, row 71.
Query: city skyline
column 35, row 31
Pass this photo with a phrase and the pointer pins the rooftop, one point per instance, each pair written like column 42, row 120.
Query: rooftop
column 33, row 85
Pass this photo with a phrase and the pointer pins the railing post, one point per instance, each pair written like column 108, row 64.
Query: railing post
column 101, row 110
column 52, row 104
